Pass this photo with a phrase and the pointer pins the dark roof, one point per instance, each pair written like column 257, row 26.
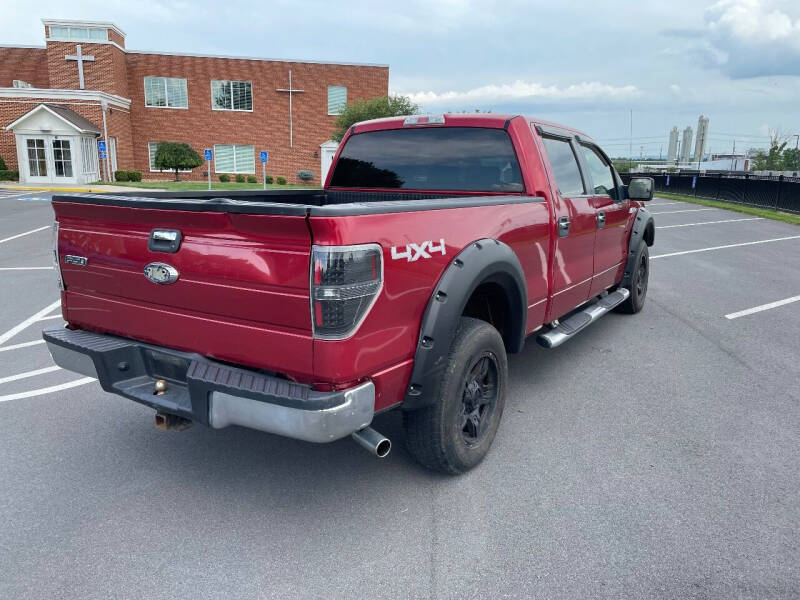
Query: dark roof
column 74, row 118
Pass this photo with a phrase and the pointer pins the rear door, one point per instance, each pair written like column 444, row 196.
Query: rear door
column 576, row 224
column 612, row 217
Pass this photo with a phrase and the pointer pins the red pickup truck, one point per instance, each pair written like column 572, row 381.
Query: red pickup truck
column 437, row 246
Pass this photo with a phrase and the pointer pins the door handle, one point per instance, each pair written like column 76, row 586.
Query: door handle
column 563, row 226
column 601, row 219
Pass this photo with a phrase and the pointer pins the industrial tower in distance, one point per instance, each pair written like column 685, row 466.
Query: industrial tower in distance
column 686, row 144
column 672, row 152
column 702, row 138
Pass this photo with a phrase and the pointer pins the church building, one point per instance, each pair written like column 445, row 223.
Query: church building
column 84, row 90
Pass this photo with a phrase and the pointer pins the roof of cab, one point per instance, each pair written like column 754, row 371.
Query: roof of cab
column 490, row 120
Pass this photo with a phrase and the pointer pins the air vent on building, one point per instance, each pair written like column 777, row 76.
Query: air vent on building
column 18, row 83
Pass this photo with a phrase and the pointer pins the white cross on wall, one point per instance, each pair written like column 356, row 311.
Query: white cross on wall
column 81, row 59
column 291, row 91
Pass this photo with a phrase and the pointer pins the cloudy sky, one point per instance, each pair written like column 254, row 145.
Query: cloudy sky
column 584, row 63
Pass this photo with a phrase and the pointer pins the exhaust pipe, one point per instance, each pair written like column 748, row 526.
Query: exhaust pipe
column 166, row 422
column 372, row 441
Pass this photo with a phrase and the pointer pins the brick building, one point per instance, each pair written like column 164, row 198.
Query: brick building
column 84, row 85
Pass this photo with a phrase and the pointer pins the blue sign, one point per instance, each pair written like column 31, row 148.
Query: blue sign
column 208, row 154
column 264, row 156
column 694, row 182
column 667, row 180
column 103, row 155
column 101, row 146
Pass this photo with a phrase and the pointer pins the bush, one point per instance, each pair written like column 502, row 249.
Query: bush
column 3, row 166
column 252, row 179
column 120, row 176
column 281, row 180
column 9, row 175
column 240, row 179
column 224, row 178
column 270, row 179
column 134, row 175
column 305, row 175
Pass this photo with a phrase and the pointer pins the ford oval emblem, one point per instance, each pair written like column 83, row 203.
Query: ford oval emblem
column 162, row 273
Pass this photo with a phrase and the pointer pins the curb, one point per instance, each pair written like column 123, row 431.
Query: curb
column 52, row 189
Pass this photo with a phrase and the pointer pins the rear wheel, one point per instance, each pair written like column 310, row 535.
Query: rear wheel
column 638, row 284
column 454, row 434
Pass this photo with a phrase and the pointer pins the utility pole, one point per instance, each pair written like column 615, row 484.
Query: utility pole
column 797, row 143
column 733, row 156
column 660, row 151
column 630, row 146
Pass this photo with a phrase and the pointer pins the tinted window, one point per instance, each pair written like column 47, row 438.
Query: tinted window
column 565, row 167
column 600, row 170
column 441, row 158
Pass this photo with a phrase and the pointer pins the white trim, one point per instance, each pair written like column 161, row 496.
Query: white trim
column 283, row 60
column 105, row 42
column 60, row 94
column 27, row 46
column 252, row 100
column 33, row 111
column 87, row 24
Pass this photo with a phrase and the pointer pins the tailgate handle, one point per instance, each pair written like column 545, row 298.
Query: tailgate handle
column 164, row 240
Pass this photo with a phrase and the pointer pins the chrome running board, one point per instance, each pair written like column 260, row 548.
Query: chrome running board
column 569, row 327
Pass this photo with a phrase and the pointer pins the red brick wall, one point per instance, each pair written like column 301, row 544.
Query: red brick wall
column 267, row 127
column 107, row 73
column 113, row 36
column 27, row 64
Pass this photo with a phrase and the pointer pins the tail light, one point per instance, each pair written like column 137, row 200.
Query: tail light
column 56, row 261
column 345, row 282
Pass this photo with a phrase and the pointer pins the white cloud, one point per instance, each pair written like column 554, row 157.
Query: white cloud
column 525, row 90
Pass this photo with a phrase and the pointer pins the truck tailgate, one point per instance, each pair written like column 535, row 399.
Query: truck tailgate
column 242, row 292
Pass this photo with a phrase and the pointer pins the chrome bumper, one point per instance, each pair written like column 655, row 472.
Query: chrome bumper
column 212, row 393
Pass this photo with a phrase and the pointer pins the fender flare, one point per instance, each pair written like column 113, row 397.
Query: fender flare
column 486, row 260
column 643, row 230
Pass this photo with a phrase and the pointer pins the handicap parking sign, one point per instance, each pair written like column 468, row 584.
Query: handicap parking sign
column 208, row 154
column 101, row 146
column 264, row 156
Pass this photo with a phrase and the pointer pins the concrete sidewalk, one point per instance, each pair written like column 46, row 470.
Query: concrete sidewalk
column 78, row 189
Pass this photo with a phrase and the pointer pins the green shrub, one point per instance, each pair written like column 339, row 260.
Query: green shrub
column 9, row 175
column 120, row 176
column 281, row 180
column 134, row 175
column 224, row 178
column 305, row 175
column 252, row 179
column 270, row 179
column 240, row 178
column 3, row 166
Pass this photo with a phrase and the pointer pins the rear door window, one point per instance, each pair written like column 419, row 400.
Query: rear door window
column 565, row 167
column 430, row 158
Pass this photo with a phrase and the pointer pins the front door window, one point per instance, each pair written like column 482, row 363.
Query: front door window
column 62, row 157
column 37, row 162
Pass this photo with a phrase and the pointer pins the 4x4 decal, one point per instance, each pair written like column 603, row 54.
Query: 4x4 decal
column 413, row 252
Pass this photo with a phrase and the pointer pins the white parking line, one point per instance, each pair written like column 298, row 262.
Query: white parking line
column 756, row 309
column 48, row 317
column 27, row 322
column 25, row 268
column 791, row 237
column 709, row 222
column 666, row 203
column 29, row 374
column 47, row 390
column 22, row 345
column 19, row 235
column 675, row 212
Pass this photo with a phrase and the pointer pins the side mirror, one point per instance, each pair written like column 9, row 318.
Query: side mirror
column 641, row 188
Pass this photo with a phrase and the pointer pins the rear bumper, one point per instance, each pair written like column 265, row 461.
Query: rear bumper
column 210, row 392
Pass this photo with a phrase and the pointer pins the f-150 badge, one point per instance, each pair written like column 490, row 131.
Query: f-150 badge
column 161, row 273
column 412, row 252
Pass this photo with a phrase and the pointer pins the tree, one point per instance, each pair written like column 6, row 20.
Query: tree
column 372, row 108
column 791, row 159
column 175, row 156
column 3, row 166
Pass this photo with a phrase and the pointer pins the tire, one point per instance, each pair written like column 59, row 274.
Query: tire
column 455, row 432
column 638, row 285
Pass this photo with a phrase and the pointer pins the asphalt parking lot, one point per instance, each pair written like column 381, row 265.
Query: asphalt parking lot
column 655, row 455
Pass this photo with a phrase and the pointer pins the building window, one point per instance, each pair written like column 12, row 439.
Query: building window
column 89, row 155
column 166, row 92
column 83, row 34
column 337, row 99
column 37, row 163
column 62, row 157
column 234, row 159
column 152, row 147
column 231, row 95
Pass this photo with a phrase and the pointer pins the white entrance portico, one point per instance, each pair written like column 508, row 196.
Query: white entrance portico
column 327, row 152
column 56, row 145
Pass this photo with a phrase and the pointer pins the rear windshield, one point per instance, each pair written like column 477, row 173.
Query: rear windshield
column 431, row 158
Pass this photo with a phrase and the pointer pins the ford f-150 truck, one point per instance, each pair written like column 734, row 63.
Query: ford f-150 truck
column 437, row 246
